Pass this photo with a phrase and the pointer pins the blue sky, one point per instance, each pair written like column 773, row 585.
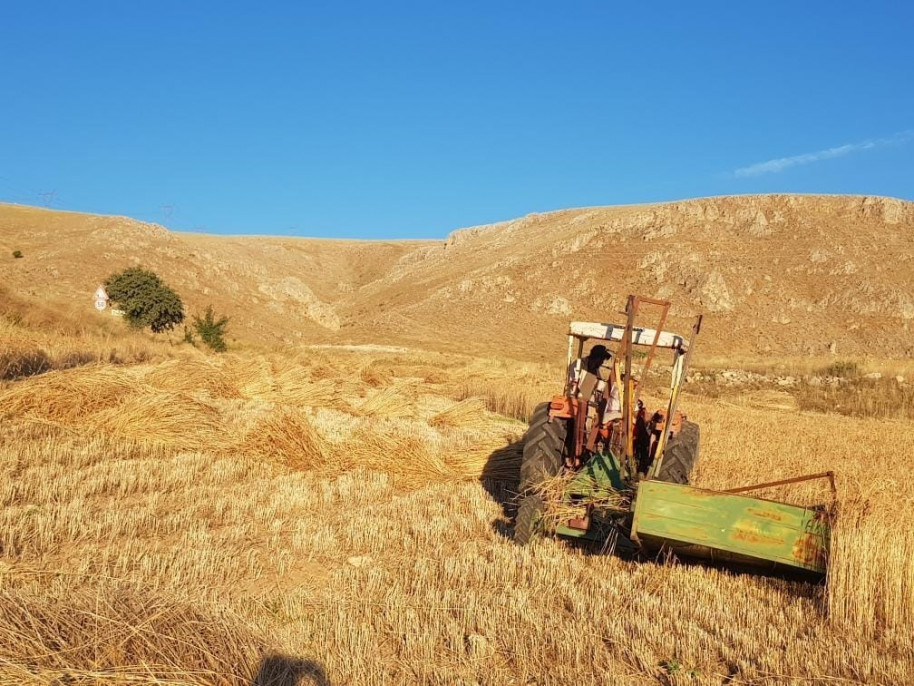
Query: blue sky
column 397, row 120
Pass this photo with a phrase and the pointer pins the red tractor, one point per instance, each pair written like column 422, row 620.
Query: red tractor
column 598, row 465
column 602, row 417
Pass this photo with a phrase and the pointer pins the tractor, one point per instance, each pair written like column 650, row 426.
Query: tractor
column 599, row 466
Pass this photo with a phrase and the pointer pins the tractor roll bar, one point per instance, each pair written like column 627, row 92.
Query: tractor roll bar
column 640, row 335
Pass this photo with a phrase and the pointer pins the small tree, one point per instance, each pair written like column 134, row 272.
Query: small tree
column 145, row 299
column 17, row 254
column 211, row 330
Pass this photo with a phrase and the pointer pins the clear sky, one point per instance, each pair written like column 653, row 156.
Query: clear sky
column 396, row 120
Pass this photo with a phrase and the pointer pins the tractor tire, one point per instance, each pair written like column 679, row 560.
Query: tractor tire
column 544, row 452
column 680, row 455
column 528, row 524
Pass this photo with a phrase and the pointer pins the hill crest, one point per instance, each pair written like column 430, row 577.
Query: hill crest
column 791, row 274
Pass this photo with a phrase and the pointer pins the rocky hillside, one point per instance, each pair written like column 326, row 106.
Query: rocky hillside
column 792, row 274
column 779, row 274
column 276, row 290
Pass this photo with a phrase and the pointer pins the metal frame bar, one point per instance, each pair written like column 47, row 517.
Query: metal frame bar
column 783, row 482
column 572, row 357
column 674, row 399
column 631, row 309
column 650, row 356
column 667, row 339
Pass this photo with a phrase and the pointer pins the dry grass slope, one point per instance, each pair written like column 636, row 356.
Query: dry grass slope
column 787, row 274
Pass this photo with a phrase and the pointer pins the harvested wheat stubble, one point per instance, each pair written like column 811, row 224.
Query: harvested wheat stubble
column 324, row 366
column 252, row 376
column 414, row 454
column 405, row 452
column 411, row 452
column 68, row 396
column 288, row 436
column 504, row 397
column 293, row 388
column 497, row 459
column 223, row 524
column 121, row 635
column 488, row 452
column 393, row 401
column 375, row 375
column 192, row 376
column 466, row 413
column 424, row 372
column 175, row 419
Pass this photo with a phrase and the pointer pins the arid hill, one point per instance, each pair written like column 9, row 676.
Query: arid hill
column 783, row 274
column 274, row 289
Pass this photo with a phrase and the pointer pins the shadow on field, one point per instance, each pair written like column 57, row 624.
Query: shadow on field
column 282, row 670
column 17, row 365
column 501, row 480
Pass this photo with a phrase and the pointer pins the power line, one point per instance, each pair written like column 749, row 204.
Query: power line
column 48, row 198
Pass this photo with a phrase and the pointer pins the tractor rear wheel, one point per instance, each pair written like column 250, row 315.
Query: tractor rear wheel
column 544, row 452
column 680, row 455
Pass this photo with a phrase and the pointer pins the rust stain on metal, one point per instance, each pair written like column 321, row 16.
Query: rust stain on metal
column 580, row 523
column 766, row 514
column 701, row 494
column 809, row 551
column 755, row 537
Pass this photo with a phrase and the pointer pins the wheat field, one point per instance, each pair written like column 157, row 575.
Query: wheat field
column 343, row 517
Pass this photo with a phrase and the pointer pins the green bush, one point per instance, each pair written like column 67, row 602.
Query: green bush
column 845, row 369
column 17, row 254
column 211, row 330
column 145, row 299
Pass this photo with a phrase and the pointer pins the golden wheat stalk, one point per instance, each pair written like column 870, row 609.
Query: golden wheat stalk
column 118, row 634
column 288, row 436
column 465, row 414
column 560, row 506
column 175, row 419
column 388, row 402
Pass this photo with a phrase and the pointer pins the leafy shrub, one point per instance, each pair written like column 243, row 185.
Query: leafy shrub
column 145, row 299
column 844, row 369
column 211, row 330
column 17, row 254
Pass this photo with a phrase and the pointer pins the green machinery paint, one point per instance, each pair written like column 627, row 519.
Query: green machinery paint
column 698, row 523
column 738, row 529
column 600, row 476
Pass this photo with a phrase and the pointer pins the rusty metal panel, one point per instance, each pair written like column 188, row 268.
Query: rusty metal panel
column 715, row 525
